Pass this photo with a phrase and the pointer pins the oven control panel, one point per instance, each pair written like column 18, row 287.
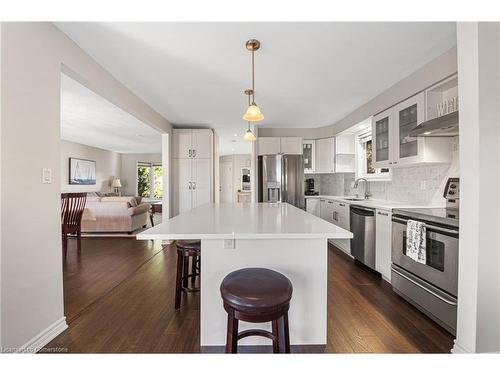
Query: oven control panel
column 452, row 192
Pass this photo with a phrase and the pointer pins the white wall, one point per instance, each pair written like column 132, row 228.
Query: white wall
column 129, row 170
column 478, row 325
column 33, row 55
column 238, row 161
column 436, row 70
column 108, row 166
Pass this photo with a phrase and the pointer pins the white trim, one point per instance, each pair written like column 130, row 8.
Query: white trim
column 457, row 349
column 43, row 338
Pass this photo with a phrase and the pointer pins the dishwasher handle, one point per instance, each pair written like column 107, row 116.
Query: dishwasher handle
column 362, row 211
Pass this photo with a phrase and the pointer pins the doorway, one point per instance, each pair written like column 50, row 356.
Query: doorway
column 226, row 182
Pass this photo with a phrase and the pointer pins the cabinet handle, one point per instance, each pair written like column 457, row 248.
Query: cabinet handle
column 194, row 153
column 390, row 162
column 321, row 200
column 190, row 153
column 194, row 185
column 395, row 162
column 341, row 204
column 383, row 213
column 190, row 185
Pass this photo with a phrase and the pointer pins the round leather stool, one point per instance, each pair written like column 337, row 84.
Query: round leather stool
column 257, row 295
column 187, row 250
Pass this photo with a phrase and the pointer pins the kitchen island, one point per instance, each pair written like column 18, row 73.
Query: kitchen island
column 278, row 236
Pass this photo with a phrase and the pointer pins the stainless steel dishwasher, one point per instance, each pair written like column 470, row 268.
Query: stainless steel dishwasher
column 362, row 222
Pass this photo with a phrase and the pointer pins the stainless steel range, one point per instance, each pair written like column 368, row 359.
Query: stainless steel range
column 431, row 287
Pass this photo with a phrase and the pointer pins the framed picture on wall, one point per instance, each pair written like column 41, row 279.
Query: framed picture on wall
column 81, row 172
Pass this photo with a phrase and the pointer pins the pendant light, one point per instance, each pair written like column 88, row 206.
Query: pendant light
column 253, row 112
column 249, row 135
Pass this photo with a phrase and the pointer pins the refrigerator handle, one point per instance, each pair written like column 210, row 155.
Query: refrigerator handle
column 284, row 181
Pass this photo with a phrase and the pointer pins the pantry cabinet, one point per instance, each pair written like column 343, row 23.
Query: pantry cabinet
column 192, row 169
column 392, row 145
column 192, row 143
column 383, row 243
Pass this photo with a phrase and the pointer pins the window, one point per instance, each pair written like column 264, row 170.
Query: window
column 149, row 180
column 364, row 158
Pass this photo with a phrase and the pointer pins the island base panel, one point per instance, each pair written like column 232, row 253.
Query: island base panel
column 303, row 261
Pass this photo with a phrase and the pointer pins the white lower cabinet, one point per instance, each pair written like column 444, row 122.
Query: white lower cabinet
column 326, row 210
column 313, row 206
column 342, row 219
column 383, row 243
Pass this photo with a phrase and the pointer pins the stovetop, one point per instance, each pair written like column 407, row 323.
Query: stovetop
column 445, row 216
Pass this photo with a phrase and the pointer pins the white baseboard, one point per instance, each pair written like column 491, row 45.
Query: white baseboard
column 44, row 337
column 457, row 349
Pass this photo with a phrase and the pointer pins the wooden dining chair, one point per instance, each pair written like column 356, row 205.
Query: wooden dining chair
column 72, row 206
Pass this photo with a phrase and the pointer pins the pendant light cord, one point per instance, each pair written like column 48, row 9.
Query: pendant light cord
column 249, row 106
column 253, row 77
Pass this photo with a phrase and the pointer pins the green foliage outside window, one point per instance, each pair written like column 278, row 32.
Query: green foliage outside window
column 143, row 184
column 149, row 179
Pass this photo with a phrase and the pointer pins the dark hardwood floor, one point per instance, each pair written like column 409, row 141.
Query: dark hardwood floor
column 119, row 298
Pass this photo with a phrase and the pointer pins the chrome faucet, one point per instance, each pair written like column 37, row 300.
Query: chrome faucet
column 367, row 187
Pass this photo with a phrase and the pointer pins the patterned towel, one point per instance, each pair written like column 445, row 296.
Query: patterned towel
column 415, row 241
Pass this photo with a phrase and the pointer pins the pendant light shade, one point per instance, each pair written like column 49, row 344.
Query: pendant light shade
column 253, row 113
column 249, row 136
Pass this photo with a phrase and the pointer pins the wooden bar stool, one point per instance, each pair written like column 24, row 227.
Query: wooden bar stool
column 257, row 295
column 187, row 250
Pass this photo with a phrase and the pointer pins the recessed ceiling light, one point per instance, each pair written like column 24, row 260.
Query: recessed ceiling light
column 235, row 134
column 426, row 133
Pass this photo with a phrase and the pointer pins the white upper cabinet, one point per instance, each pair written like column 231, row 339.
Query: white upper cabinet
column 325, row 151
column 182, row 143
column 269, row 145
column 202, row 143
column 382, row 129
column 279, row 145
column 291, row 145
column 407, row 115
column 192, row 143
column 392, row 144
column 345, row 155
column 309, row 152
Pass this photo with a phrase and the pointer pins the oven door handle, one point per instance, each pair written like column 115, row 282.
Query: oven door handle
column 445, row 230
column 424, row 288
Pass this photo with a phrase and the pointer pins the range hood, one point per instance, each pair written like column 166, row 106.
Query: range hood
column 443, row 126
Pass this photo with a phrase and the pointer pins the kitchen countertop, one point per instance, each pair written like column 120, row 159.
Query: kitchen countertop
column 245, row 221
column 369, row 203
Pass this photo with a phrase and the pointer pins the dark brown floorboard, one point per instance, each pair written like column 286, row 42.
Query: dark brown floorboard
column 119, row 297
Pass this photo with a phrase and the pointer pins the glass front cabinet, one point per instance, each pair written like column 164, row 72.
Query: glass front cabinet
column 382, row 134
column 309, row 154
column 392, row 144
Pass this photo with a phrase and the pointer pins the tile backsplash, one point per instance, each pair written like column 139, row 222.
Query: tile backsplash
column 413, row 185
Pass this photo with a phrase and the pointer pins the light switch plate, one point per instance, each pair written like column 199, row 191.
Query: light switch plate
column 229, row 244
column 46, row 175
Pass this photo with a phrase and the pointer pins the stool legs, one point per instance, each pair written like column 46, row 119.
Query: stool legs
column 178, row 281
column 232, row 334
column 280, row 333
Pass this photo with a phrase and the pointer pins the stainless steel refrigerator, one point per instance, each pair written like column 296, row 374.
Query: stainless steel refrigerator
column 281, row 179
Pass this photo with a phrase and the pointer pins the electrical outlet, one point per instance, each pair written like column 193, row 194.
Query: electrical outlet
column 229, row 244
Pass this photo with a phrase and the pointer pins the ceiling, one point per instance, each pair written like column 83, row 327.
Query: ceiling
column 307, row 74
column 89, row 119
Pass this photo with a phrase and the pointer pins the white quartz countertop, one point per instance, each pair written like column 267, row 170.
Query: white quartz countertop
column 369, row 203
column 244, row 221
